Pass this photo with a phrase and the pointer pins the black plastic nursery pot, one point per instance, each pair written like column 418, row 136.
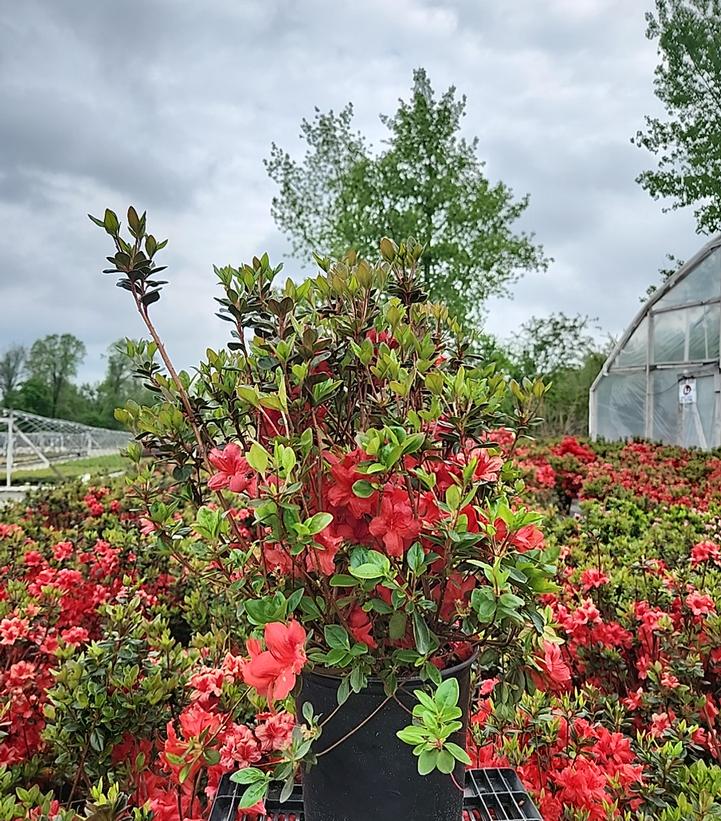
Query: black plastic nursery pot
column 367, row 772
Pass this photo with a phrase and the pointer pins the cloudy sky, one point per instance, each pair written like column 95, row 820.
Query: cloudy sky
column 172, row 105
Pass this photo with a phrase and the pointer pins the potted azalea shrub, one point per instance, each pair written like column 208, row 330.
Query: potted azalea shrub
column 339, row 462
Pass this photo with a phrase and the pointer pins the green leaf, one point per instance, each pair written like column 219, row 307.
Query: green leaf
column 430, row 671
column 413, row 734
column 341, row 580
column 368, row 571
column 363, row 489
column 294, row 600
column 422, row 635
column 458, row 752
column 447, row 693
column 287, row 790
column 110, row 222
column 265, row 610
column 453, row 497
column 253, row 794
column 343, row 691
column 134, row 221
column 248, row 775
column 358, row 679
column 248, row 394
column 208, row 522
column 415, row 557
column 445, row 762
column 258, row 457
column 336, row 637
column 318, row 522
column 397, row 625
column 310, row 607
column 427, row 761
column 414, row 443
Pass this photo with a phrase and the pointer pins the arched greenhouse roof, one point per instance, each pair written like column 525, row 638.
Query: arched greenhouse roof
column 662, row 380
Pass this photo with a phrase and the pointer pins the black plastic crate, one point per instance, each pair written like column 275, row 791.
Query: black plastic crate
column 493, row 794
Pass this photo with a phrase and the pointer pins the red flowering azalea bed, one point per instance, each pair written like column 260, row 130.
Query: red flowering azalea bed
column 123, row 682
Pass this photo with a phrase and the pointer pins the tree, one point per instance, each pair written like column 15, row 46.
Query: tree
column 565, row 352
column 427, row 183
column 548, row 344
column 12, row 364
column 52, row 363
column 688, row 82
column 119, row 385
column 665, row 273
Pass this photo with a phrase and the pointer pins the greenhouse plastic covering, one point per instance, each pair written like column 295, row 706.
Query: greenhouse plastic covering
column 662, row 381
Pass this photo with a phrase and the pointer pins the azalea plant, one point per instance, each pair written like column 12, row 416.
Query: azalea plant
column 341, row 463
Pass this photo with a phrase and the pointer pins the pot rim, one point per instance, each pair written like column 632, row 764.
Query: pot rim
column 325, row 678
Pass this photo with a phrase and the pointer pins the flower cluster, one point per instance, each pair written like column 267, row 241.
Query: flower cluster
column 70, row 597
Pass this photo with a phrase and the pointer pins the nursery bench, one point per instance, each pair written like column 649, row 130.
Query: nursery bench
column 492, row 794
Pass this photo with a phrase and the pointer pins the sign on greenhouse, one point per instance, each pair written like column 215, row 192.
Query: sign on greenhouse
column 687, row 391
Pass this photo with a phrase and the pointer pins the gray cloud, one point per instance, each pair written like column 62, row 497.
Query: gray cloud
column 173, row 105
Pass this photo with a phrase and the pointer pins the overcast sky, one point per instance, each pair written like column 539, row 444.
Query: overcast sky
column 172, row 105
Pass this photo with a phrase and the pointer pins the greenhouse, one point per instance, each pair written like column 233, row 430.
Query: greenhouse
column 662, row 379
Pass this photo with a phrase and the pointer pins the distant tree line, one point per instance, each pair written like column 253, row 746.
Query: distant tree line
column 41, row 379
column 564, row 350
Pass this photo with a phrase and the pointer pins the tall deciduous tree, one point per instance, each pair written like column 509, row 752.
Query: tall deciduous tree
column 12, row 364
column 687, row 141
column 427, row 182
column 52, row 363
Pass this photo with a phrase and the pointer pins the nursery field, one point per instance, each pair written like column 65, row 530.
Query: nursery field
column 96, row 466
column 121, row 674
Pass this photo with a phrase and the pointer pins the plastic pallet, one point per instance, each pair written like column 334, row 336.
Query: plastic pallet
column 493, row 794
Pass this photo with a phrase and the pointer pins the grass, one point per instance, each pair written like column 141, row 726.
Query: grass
column 95, row 466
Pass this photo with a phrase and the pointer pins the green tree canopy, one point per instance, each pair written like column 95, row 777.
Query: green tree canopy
column 12, row 364
column 118, row 386
column 566, row 352
column 52, row 363
column 427, row 182
column 687, row 141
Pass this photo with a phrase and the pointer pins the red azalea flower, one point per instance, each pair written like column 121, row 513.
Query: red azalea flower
column 395, row 525
column 234, row 472
column 275, row 732
column 700, row 605
column 240, row 748
column 529, row 537
column 13, row 629
column 703, row 552
column 455, row 596
column 277, row 558
column 592, row 578
column 273, row 672
column 360, row 627
column 345, row 474
column 660, row 722
column 583, row 786
column 487, row 467
column 207, row 685
column 487, row 686
column 322, row 556
column 555, row 675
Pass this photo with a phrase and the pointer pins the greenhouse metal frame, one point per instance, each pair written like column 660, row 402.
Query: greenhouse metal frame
column 662, row 381
column 31, row 441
